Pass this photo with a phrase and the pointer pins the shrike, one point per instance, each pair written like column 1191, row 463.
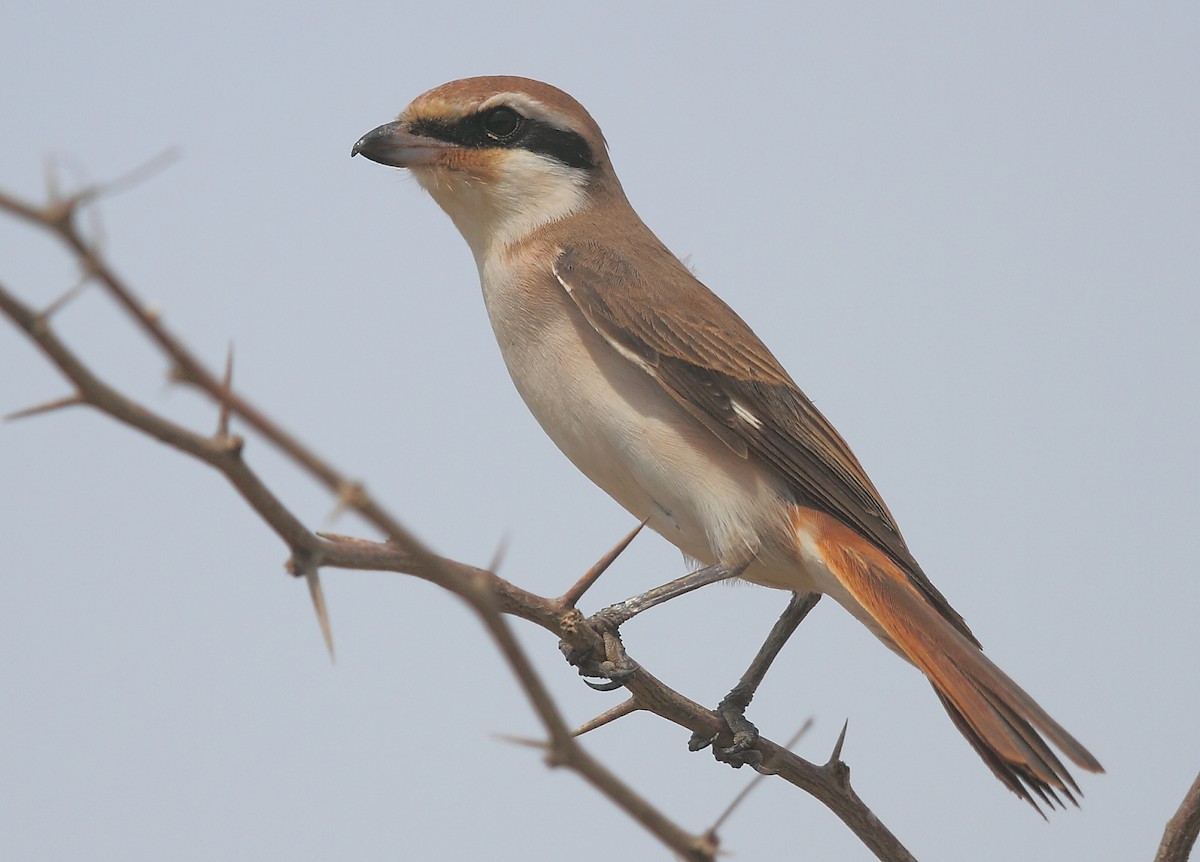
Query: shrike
column 667, row 400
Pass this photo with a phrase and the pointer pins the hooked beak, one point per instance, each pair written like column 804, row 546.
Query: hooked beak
column 393, row 145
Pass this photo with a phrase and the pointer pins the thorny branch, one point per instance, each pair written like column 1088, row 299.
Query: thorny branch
column 1182, row 829
column 493, row 598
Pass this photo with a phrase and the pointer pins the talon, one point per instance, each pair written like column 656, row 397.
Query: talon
column 745, row 737
column 614, row 673
column 610, row 685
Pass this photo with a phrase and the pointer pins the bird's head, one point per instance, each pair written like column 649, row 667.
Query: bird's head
column 502, row 156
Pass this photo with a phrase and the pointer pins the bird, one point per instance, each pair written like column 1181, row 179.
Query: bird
column 666, row 399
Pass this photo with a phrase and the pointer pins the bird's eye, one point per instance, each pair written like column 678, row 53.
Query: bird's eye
column 500, row 123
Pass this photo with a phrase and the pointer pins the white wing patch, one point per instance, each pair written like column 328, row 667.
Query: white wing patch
column 744, row 414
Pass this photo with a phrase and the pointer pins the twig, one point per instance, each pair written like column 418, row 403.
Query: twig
column 1180, row 835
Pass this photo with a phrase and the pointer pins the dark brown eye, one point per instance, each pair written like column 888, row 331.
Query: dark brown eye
column 501, row 123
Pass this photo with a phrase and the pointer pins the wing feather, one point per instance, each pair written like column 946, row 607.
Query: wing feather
column 707, row 359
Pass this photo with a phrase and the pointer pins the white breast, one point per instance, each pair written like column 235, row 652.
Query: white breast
column 619, row 427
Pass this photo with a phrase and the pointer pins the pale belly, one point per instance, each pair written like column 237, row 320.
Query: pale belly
column 622, row 430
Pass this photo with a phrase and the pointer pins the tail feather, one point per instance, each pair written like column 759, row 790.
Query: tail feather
column 1005, row 726
column 1010, row 775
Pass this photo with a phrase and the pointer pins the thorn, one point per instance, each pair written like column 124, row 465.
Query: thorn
column 836, row 756
column 54, row 307
column 521, row 740
column 96, row 225
column 226, row 390
column 233, row 444
column 619, row 711
column 60, row 208
column 318, row 600
column 60, row 212
column 338, row 537
column 48, row 407
column 52, row 171
column 349, row 495
column 573, row 595
column 708, row 844
column 552, row 758
column 50, row 174
column 500, row 553
column 152, row 166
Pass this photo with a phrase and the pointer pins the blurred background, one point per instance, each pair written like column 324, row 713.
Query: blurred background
column 970, row 234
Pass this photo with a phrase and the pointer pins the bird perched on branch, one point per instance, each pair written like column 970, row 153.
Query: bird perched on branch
column 667, row 400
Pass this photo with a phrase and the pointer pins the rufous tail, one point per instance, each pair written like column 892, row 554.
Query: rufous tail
column 1003, row 724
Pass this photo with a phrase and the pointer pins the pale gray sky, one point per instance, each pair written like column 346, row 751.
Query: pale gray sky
column 971, row 235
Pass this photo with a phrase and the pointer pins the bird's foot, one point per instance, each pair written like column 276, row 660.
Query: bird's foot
column 606, row 661
column 745, row 737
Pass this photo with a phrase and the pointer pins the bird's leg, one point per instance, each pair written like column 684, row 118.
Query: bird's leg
column 732, row 707
column 616, row 667
column 616, row 615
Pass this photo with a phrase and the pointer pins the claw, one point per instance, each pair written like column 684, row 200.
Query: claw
column 745, row 737
column 614, row 673
column 609, row 685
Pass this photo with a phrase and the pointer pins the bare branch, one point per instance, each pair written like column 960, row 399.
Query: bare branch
column 308, row 553
column 490, row 596
column 1180, row 835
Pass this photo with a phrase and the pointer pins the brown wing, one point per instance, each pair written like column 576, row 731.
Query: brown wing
column 706, row 357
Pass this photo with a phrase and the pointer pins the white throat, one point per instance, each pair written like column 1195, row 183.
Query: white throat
column 530, row 190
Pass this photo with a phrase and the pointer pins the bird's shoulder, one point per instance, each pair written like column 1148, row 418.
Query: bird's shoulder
column 636, row 288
